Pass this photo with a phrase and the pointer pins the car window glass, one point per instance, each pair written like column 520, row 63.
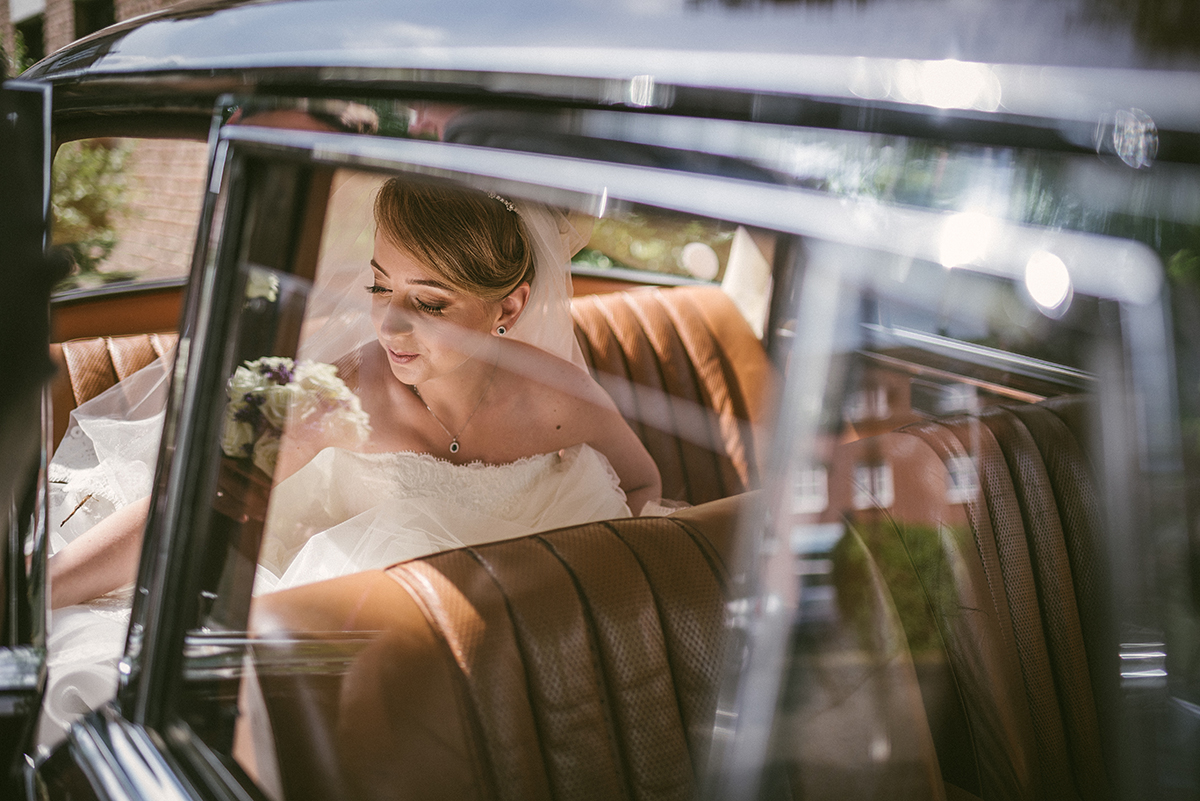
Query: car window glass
column 649, row 247
column 125, row 210
column 977, row 415
column 305, row 435
column 981, row 372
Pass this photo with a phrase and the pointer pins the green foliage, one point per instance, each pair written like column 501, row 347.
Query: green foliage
column 1184, row 267
column 15, row 62
column 912, row 565
column 88, row 196
column 652, row 242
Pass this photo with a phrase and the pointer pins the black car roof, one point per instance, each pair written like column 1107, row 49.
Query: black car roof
column 1053, row 59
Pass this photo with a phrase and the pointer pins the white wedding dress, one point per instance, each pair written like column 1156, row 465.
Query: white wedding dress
column 344, row 511
column 341, row 513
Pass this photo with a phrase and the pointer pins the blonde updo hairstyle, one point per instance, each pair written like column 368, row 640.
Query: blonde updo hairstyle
column 473, row 241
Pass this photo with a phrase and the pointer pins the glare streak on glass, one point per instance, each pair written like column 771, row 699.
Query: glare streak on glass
column 947, row 84
column 641, row 91
column 966, row 238
column 1099, row 265
column 1142, row 663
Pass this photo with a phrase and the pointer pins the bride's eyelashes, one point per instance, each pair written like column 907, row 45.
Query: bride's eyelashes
column 434, row 308
column 429, row 308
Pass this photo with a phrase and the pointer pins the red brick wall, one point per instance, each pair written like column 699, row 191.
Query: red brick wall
column 59, row 25
column 165, row 179
column 126, row 9
column 165, row 182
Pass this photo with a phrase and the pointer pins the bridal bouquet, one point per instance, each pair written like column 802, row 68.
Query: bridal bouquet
column 268, row 393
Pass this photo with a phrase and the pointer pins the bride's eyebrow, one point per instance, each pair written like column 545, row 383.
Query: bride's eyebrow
column 415, row 281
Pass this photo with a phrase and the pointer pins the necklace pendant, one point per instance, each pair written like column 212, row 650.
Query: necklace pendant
column 454, row 445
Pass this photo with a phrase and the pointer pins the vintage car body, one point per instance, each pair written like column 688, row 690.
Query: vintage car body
column 944, row 536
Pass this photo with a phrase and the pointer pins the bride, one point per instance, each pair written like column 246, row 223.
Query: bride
column 484, row 425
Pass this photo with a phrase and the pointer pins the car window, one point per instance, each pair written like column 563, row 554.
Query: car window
column 978, row 413
column 977, row 480
column 291, row 398
column 125, row 210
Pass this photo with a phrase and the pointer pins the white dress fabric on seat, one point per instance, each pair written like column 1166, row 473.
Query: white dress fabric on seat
column 344, row 512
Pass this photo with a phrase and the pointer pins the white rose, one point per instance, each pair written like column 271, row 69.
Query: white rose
column 350, row 424
column 236, row 437
column 317, row 374
column 262, row 283
column 266, row 452
column 277, row 403
column 243, row 380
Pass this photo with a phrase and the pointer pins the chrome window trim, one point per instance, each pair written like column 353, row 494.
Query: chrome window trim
column 122, row 762
column 901, row 231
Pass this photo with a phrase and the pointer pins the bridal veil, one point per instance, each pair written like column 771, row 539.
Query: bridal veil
column 107, row 458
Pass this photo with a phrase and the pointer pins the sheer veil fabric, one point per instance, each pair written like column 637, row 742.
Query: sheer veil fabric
column 340, row 321
column 108, row 456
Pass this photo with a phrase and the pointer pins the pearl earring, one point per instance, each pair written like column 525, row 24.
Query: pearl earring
column 501, row 330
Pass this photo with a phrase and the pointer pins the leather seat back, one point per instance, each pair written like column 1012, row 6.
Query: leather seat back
column 580, row 663
column 87, row 367
column 690, row 377
column 991, row 543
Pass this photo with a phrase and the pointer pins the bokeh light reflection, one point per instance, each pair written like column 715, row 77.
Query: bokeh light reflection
column 1048, row 283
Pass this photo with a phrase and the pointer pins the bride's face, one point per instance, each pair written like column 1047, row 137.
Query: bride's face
column 428, row 328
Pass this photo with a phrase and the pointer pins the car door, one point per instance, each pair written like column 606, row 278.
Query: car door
column 870, row 649
column 28, row 276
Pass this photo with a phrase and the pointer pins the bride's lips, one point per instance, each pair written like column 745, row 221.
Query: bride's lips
column 399, row 357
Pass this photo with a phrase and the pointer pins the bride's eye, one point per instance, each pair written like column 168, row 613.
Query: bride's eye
column 376, row 289
column 429, row 308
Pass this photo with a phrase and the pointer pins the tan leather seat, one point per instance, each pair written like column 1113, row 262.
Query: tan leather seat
column 580, row 663
column 691, row 378
column 87, row 367
column 685, row 370
column 996, row 567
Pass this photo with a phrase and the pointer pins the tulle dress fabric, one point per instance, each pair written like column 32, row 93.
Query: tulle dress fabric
column 344, row 511
column 104, row 462
column 341, row 513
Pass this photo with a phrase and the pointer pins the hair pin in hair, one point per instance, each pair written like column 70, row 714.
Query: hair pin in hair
column 508, row 204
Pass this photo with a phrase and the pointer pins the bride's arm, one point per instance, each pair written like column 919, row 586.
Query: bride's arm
column 639, row 474
column 101, row 559
column 606, row 430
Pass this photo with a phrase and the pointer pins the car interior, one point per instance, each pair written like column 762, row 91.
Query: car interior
column 948, row 523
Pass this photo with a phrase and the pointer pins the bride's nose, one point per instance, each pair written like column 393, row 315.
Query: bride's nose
column 396, row 320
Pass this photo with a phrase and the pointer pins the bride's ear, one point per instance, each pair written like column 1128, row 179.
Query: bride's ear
column 512, row 306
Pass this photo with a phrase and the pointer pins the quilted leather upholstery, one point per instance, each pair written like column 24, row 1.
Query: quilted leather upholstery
column 1018, row 665
column 575, row 664
column 691, row 378
column 87, row 367
column 685, row 370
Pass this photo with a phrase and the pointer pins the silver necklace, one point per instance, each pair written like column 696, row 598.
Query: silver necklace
column 454, row 437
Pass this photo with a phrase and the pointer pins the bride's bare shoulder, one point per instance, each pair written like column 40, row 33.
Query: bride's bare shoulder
column 552, row 379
